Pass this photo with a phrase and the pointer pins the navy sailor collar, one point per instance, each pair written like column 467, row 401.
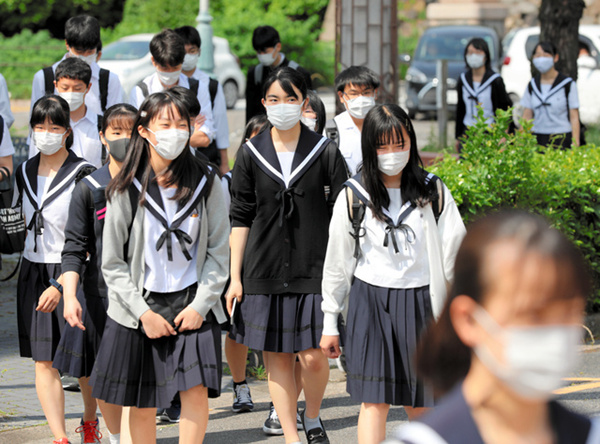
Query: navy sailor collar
column 262, row 151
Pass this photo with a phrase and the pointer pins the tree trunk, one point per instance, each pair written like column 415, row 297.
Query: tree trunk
column 559, row 21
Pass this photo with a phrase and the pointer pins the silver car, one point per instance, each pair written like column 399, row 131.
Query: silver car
column 129, row 58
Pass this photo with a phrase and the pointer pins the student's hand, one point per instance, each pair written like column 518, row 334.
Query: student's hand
column 155, row 325
column 235, row 291
column 330, row 345
column 73, row 312
column 188, row 319
column 49, row 300
column 200, row 119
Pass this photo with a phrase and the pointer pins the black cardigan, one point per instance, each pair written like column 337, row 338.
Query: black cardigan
column 500, row 99
column 289, row 227
column 254, row 92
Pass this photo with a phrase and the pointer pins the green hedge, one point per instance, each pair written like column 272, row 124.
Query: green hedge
column 499, row 170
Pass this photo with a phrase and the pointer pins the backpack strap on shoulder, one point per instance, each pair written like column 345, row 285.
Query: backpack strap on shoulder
column 144, row 88
column 48, row 80
column 258, row 73
column 194, row 85
column 104, row 76
column 331, row 131
column 356, row 213
column 213, row 85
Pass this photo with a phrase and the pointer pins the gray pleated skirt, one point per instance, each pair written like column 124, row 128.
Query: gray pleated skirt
column 282, row 323
column 382, row 331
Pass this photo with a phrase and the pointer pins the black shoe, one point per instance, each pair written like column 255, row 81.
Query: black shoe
column 272, row 426
column 316, row 435
column 171, row 414
column 70, row 383
column 242, row 400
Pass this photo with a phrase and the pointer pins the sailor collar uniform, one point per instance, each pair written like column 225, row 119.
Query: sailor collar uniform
column 478, row 94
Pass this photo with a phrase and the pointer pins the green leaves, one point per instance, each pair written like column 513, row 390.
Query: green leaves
column 499, row 170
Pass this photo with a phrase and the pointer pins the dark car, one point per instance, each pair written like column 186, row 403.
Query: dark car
column 437, row 43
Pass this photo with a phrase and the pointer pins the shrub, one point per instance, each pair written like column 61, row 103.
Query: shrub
column 499, row 170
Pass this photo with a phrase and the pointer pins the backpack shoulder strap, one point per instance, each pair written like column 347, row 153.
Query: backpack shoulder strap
column 258, row 73
column 104, row 76
column 194, row 85
column 331, row 131
column 1, row 129
column 98, row 194
column 213, row 85
column 356, row 212
column 437, row 198
column 48, row 80
column 143, row 87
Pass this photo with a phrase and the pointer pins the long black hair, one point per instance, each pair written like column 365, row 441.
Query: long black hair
column 57, row 110
column 316, row 104
column 481, row 45
column 383, row 124
column 184, row 171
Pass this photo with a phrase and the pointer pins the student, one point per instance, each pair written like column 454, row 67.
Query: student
column 217, row 150
column 82, row 38
column 357, row 89
column 314, row 116
column 73, row 85
column 44, row 185
column 164, row 287
column 168, row 53
column 507, row 337
column 478, row 86
column 389, row 256
column 267, row 44
column 6, row 149
column 85, row 308
column 5, row 111
column 283, row 185
column 552, row 102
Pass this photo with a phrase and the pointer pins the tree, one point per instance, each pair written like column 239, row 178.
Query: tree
column 559, row 21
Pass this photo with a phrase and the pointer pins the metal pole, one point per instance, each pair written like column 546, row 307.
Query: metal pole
column 441, row 100
column 207, row 61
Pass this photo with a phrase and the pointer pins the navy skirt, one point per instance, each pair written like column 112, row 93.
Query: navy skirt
column 77, row 349
column 283, row 323
column 133, row 370
column 382, row 331
column 39, row 333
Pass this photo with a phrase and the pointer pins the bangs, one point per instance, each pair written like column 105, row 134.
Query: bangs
column 122, row 121
column 392, row 135
column 53, row 108
column 167, row 108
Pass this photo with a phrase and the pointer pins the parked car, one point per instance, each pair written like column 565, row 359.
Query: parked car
column 436, row 43
column 129, row 58
column 516, row 68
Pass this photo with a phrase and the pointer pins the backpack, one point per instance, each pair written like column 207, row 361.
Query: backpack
column 103, row 84
column 212, row 151
column 357, row 204
column 194, row 85
column 258, row 71
column 332, row 132
column 567, row 89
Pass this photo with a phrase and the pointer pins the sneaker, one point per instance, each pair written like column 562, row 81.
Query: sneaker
column 272, row 426
column 316, row 435
column 242, row 400
column 299, row 425
column 90, row 431
column 171, row 414
column 70, row 383
column 61, row 441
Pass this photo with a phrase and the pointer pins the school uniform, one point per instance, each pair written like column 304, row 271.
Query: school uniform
column 86, row 139
column 5, row 111
column 393, row 290
column 136, row 98
column 219, row 110
column 45, row 202
column 92, row 99
column 490, row 94
column 287, row 212
column 172, row 251
column 82, row 254
column 254, row 85
column 451, row 422
column 551, row 105
column 350, row 141
column 6, row 145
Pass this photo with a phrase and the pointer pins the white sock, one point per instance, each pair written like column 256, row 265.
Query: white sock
column 311, row 423
column 114, row 439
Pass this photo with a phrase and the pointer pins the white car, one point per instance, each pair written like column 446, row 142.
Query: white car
column 129, row 58
column 516, row 69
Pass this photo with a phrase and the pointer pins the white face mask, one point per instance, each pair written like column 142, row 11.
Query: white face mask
column 360, row 106
column 475, row 60
column 535, row 358
column 74, row 99
column 190, row 61
column 87, row 59
column 391, row 164
column 284, row 115
column 48, row 143
column 310, row 123
column 168, row 78
column 170, row 143
column 543, row 64
column 266, row 59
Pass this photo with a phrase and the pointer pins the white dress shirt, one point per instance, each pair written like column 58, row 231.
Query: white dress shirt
column 350, row 145
column 219, row 110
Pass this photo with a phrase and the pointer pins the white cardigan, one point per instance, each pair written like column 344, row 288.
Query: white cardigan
column 442, row 241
